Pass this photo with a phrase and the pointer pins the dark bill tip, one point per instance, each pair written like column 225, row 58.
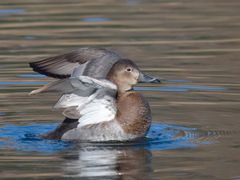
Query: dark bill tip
column 143, row 78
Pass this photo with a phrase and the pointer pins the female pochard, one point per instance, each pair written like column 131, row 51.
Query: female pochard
column 96, row 96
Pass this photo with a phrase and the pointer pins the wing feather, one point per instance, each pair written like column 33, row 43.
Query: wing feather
column 62, row 66
column 99, row 110
column 76, row 102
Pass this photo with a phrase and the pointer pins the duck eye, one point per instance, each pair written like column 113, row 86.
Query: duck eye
column 129, row 69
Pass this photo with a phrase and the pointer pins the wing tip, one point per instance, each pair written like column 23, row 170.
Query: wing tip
column 40, row 70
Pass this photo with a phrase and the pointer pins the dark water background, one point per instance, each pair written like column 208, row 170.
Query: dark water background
column 193, row 45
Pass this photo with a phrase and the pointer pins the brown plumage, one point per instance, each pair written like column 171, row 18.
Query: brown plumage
column 134, row 114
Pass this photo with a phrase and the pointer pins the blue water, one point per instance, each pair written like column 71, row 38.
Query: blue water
column 178, row 81
column 29, row 75
column 7, row 83
column 96, row 19
column 5, row 12
column 180, row 88
column 26, row 138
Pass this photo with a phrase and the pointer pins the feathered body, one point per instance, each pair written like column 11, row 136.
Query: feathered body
column 96, row 100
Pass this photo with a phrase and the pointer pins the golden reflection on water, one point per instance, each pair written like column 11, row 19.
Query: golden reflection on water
column 194, row 41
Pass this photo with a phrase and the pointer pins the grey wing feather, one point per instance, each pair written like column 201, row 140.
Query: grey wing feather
column 83, row 86
column 87, row 61
column 61, row 86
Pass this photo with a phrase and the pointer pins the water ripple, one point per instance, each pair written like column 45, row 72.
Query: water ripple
column 8, row 83
column 96, row 19
column 29, row 75
column 159, row 137
column 181, row 88
column 2, row 113
column 5, row 12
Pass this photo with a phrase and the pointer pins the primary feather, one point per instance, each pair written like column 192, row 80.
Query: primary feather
column 88, row 61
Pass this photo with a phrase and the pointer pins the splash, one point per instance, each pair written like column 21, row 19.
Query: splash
column 159, row 137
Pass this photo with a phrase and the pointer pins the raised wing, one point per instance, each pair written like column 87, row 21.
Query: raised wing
column 73, row 103
column 96, row 83
column 82, row 85
column 88, row 61
column 99, row 110
column 62, row 86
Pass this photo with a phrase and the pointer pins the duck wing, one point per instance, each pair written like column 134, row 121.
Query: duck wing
column 92, row 82
column 97, row 111
column 84, row 61
column 93, row 121
column 82, row 85
column 75, row 102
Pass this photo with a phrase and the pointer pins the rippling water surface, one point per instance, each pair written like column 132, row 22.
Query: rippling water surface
column 193, row 45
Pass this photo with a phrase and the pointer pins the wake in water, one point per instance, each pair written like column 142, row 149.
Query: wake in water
column 159, row 137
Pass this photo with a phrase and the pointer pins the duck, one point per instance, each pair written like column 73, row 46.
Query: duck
column 97, row 96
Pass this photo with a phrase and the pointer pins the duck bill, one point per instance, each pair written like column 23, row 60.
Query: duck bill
column 143, row 78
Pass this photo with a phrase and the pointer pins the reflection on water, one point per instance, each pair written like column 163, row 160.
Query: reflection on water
column 101, row 159
column 108, row 163
column 106, row 159
column 192, row 45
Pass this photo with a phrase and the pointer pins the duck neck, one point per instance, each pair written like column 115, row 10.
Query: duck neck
column 122, row 87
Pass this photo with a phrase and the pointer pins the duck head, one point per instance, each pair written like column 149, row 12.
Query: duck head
column 125, row 73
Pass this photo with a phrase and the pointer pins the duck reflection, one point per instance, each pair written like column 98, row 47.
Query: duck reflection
column 108, row 163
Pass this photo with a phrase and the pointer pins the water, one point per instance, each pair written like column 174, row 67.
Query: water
column 159, row 137
column 192, row 45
